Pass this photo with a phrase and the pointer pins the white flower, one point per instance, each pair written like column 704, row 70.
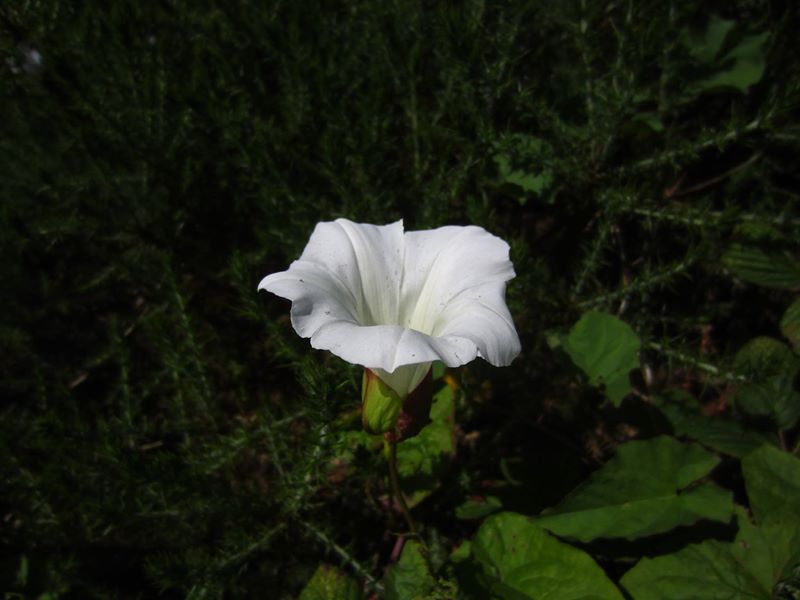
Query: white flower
column 394, row 301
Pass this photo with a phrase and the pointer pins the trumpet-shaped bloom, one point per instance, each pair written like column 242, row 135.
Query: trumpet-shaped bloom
column 395, row 301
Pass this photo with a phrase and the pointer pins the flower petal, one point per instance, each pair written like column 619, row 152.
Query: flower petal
column 405, row 379
column 454, row 288
column 318, row 296
column 367, row 259
column 482, row 317
column 347, row 272
column 394, row 303
column 388, row 347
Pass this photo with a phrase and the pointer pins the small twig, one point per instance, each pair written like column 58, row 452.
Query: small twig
column 651, row 280
column 592, row 259
column 703, row 366
column 699, row 146
column 700, row 218
column 583, row 27
column 344, row 555
column 709, row 182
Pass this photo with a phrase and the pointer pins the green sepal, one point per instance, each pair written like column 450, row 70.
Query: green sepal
column 380, row 404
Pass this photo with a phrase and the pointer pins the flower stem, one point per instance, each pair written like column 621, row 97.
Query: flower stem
column 397, row 493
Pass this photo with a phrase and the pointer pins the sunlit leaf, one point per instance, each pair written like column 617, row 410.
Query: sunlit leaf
column 519, row 560
column 410, row 578
column 606, row 349
column 648, row 487
column 329, row 583
column 763, row 553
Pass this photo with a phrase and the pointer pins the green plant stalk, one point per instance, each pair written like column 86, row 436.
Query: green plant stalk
column 644, row 283
column 703, row 366
column 397, row 492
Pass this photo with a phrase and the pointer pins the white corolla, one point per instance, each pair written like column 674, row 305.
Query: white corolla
column 395, row 301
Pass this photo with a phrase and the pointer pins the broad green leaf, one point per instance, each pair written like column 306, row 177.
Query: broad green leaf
column 751, row 547
column 721, row 64
column 410, row 578
column 648, row 487
column 329, row 583
column 775, row 398
column 772, row 478
column 771, row 269
column 443, row 406
column 790, row 324
column 421, row 460
column 719, row 432
column 522, row 561
column 771, row 368
column 707, row 571
column 762, row 357
column 740, row 68
column 606, row 349
column 462, row 553
column 770, row 550
column 706, row 44
column 747, row 569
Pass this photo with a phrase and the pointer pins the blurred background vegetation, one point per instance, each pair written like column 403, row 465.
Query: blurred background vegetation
column 165, row 432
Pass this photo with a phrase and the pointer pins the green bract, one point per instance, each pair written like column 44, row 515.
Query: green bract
column 380, row 405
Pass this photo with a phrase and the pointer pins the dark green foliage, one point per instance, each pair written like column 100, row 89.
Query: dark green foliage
column 606, row 349
column 649, row 487
column 164, row 431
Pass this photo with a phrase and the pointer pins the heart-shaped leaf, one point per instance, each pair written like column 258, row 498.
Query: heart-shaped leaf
column 519, row 560
column 720, row 432
column 606, row 349
column 410, row 578
column 649, row 487
column 763, row 553
column 328, row 583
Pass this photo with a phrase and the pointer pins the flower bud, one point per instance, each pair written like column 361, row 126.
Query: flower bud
column 380, row 405
column 384, row 411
